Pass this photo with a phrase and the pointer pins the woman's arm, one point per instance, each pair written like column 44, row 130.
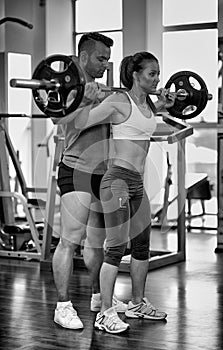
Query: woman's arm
column 100, row 114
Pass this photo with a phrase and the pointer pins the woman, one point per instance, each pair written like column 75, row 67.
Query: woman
column 125, row 203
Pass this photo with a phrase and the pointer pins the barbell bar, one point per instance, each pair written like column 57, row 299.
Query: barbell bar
column 181, row 93
column 52, row 88
column 35, row 84
column 54, row 85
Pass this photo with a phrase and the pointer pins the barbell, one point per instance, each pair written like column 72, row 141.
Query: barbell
column 58, row 84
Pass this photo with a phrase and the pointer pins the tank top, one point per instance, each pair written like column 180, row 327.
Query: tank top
column 136, row 127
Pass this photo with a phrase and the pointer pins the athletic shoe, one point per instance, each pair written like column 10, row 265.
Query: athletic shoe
column 96, row 303
column 66, row 316
column 144, row 310
column 110, row 322
column 119, row 305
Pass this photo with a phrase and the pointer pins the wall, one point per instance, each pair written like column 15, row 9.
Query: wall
column 134, row 24
column 16, row 38
column 52, row 33
column 220, row 16
column 58, row 36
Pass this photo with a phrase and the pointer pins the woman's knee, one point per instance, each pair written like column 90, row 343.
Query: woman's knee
column 113, row 255
column 140, row 245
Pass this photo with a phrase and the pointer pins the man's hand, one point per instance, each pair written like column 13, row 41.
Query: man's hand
column 91, row 93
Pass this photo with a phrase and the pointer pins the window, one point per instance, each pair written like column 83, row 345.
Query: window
column 194, row 50
column 190, row 42
column 178, row 12
column 106, row 17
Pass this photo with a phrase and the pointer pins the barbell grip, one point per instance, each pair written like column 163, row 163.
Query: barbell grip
column 119, row 89
column 34, row 84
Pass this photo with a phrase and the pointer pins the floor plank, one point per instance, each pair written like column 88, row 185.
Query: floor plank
column 191, row 293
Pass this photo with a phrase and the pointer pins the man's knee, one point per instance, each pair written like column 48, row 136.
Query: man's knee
column 95, row 238
column 73, row 235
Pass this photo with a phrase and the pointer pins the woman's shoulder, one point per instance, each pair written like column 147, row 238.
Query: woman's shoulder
column 121, row 97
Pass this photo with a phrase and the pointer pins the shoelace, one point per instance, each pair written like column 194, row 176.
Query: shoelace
column 113, row 321
column 147, row 308
column 70, row 309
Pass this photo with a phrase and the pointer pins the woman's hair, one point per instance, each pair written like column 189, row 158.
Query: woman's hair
column 132, row 64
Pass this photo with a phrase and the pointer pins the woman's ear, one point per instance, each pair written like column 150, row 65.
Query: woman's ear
column 135, row 76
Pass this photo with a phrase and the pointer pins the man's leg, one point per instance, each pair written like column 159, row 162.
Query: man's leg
column 74, row 216
column 94, row 245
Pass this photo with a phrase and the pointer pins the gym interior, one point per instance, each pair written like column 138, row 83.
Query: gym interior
column 183, row 176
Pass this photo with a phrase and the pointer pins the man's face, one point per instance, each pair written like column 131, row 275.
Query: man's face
column 97, row 61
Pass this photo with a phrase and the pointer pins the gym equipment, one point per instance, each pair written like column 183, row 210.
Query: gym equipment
column 58, row 85
column 196, row 98
column 58, row 88
column 14, row 236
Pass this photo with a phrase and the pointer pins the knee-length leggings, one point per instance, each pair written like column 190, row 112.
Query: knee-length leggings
column 127, row 214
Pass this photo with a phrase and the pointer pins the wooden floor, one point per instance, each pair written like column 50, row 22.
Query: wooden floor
column 191, row 293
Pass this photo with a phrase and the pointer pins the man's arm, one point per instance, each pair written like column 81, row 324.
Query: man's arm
column 90, row 95
column 71, row 116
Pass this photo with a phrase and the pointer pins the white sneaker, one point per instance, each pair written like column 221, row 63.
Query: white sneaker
column 110, row 322
column 144, row 310
column 96, row 304
column 119, row 305
column 66, row 316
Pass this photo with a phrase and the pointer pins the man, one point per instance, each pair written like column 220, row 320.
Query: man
column 83, row 164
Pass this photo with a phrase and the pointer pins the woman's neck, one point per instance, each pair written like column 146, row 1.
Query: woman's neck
column 138, row 97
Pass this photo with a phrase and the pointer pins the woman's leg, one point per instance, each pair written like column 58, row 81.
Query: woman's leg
column 140, row 242
column 114, row 196
column 139, row 306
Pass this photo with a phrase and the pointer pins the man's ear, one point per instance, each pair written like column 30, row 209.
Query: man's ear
column 83, row 58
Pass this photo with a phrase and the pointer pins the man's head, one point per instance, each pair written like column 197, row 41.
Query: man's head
column 94, row 50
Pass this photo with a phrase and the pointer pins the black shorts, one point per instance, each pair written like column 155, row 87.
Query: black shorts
column 70, row 180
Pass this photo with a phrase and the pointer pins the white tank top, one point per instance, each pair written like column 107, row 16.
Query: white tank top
column 136, row 127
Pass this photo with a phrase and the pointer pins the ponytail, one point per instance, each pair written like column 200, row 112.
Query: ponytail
column 126, row 72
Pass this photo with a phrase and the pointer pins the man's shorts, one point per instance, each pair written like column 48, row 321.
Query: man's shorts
column 70, row 180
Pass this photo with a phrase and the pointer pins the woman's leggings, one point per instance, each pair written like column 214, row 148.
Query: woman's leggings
column 127, row 214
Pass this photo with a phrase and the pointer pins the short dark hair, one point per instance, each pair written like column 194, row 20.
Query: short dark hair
column 87, row 40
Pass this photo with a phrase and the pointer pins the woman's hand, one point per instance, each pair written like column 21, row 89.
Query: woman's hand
column 166, row 99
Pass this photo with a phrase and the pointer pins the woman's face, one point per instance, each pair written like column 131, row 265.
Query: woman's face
column 148, row 78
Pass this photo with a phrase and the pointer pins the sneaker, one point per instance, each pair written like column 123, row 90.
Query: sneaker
column 96, row 304
column 119, row 305
column 144, row 310
column 66, row 316
column 110, row 322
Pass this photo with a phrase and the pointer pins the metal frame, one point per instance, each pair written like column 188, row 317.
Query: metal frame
column 219, row 247
column 7, row 197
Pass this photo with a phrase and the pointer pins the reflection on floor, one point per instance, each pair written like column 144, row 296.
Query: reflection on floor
column 190, row 292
